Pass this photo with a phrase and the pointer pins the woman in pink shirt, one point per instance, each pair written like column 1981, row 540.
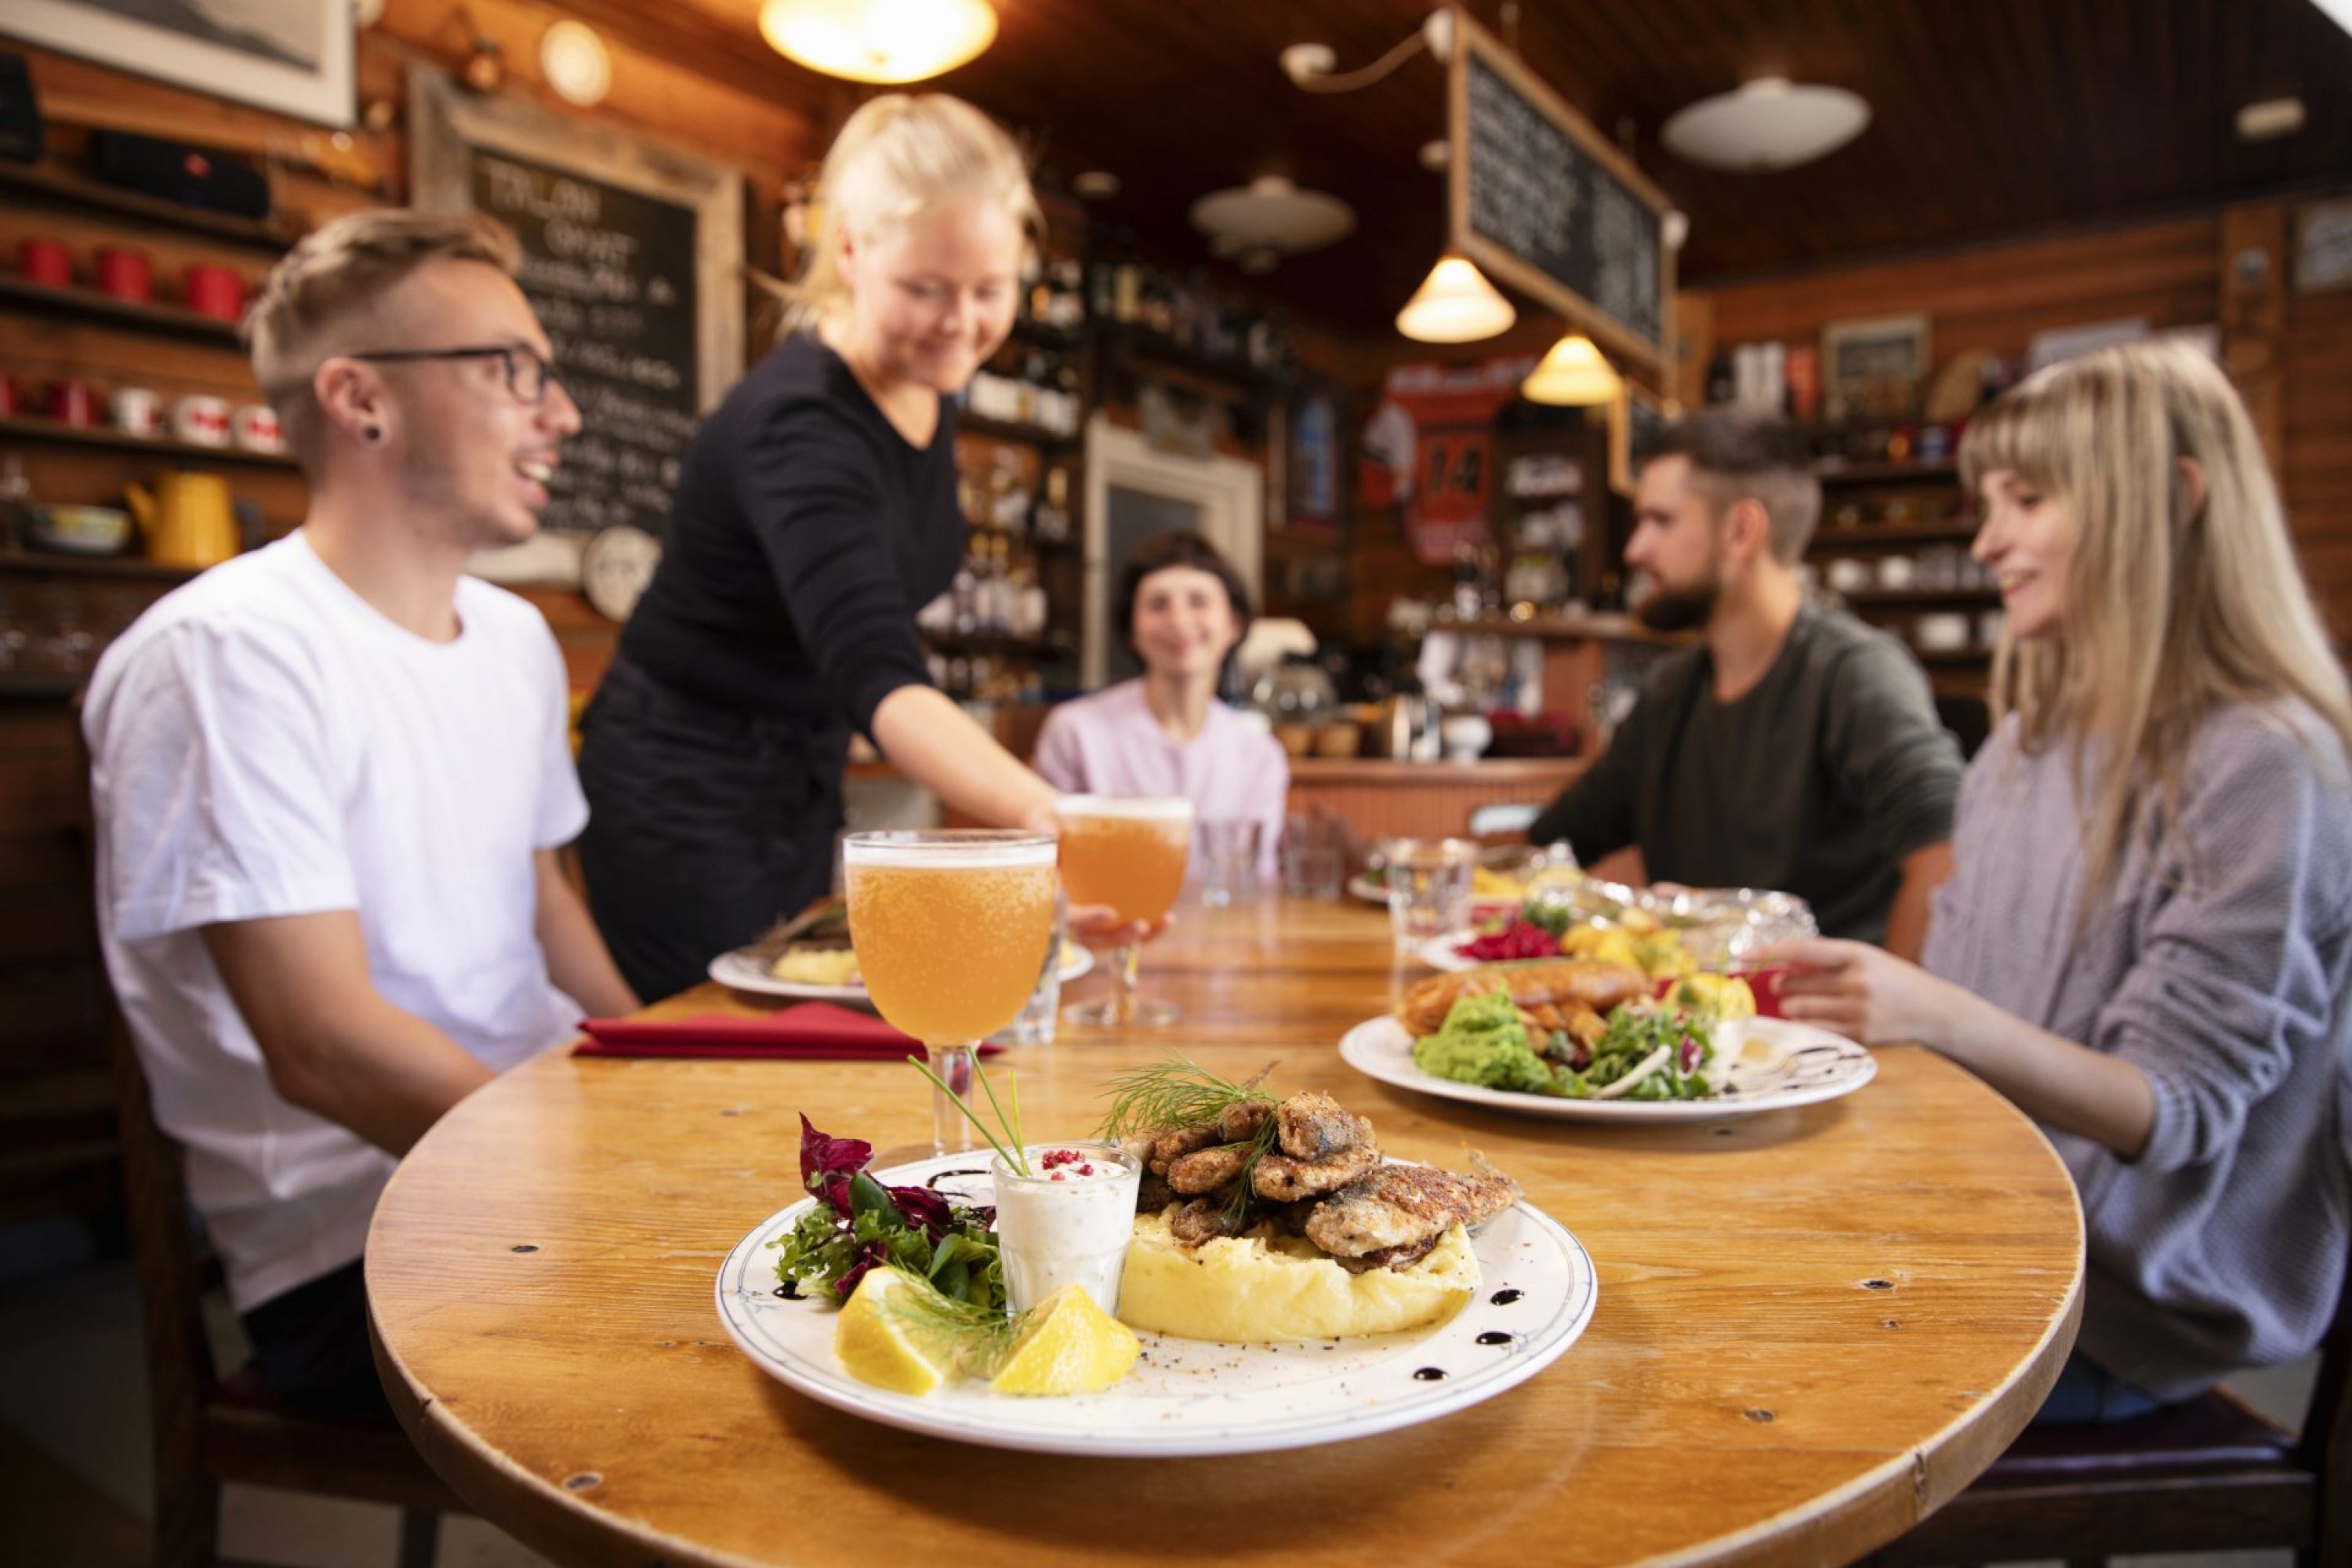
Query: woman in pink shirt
column 1183, row 608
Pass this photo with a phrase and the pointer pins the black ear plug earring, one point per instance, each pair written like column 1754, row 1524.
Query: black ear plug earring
column 374, row 432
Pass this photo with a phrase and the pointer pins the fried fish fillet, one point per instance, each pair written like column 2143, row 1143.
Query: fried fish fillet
column 1558, row 982
column 1286, row 1180
column 1206, row 1170
column 1398, row 1205
column 1313, row 1124
column 1173, row 1143
column 1240, row 1121
column 1205, row 1219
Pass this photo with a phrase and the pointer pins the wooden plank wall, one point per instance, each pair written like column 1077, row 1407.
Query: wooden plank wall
column 1996, row 298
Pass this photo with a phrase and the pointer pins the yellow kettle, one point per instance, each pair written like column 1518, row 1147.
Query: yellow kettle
column 187, row 517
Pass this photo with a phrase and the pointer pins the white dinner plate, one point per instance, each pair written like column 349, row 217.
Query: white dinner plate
column 745, row 969
column 1438, row 952
column 1189, row 1397
column 1820, row 1065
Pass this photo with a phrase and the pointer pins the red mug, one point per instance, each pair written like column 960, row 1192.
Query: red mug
column 71, row 404
column 46, row 261
column 215, row 292
column 125, row 273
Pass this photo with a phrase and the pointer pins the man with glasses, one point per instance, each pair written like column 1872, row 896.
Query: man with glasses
column 331, row 778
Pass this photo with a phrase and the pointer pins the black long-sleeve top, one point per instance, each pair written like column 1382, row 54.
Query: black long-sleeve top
column 805, row 533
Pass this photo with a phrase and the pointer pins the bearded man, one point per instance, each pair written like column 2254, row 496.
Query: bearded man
column 1790, row 747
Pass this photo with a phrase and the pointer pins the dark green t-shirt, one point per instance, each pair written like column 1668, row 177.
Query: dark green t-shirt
column 1816, row 782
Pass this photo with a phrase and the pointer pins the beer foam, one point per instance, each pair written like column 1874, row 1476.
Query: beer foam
column 1127, row 808
column 953, row 855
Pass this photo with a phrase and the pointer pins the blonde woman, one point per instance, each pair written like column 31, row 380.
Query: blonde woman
column 815, row 511
column 2148, row 939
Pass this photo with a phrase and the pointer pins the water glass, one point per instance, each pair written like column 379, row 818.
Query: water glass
column 1035, row 1025
column 1429, row 887
column 1314, row 859
column 1229, row 853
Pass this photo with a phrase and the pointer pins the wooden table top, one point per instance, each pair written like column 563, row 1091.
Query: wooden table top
column 1813, row 1325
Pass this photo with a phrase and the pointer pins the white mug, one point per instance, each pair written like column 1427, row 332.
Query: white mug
column 256, row 428
column 136, row 411
column 201, row 420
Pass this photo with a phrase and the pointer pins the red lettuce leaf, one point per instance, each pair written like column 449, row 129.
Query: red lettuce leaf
column 827, row 1162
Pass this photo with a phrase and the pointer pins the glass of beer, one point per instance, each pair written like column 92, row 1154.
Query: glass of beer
column 1126, row 852
column 951, row 930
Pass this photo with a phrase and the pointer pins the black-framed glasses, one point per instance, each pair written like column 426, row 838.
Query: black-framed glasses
column 528, row 373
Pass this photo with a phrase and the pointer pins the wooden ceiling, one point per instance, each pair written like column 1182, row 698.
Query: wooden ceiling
column 1991, row 117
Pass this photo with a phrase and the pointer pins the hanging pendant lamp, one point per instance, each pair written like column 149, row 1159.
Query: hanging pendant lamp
column 1573, row 375
column 1454, row 304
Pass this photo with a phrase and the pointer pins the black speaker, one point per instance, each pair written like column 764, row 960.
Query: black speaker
column 193, row 177
column 20, row 116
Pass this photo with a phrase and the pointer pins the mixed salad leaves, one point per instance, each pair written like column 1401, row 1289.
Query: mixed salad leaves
column 858, row 1224
column 1645, row 1051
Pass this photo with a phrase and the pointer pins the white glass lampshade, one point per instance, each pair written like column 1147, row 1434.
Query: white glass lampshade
column 1573, row 375
column 1454, row 304
column 878, row 40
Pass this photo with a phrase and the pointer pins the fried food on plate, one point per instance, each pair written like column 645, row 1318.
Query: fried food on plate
column 1558, row 982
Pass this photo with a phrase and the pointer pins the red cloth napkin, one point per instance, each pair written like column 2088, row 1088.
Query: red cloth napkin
column 810, row 1032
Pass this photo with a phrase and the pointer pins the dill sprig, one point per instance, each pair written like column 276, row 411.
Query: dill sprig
column 1244, row 1185
column 1176, row 1091
column 975, row 1340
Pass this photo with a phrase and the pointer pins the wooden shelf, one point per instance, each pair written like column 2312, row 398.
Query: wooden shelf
column 1883, row 596
column 969, row 423
column 998, row 647
column 1145, row 347
column 91, row 303
column 58, row 562
column 69, row 190
column 1953, row 657
column 1028, row 542
column 38, row 686
column 1892, row 533
column 64, row 434
column 1842, row 473
column 1562, row 628
column 1029, row 330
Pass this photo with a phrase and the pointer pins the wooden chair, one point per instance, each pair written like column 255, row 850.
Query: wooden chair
column 211, row 1430
column 2207, row 1475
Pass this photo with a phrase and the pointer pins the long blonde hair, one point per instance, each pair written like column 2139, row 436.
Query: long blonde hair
column 2177, row 603
column 899, row 157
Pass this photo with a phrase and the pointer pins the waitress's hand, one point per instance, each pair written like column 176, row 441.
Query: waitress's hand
column 1097, row 926
column 1862, row 991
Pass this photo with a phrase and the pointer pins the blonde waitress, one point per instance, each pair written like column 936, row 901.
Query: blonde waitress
column 815, row 512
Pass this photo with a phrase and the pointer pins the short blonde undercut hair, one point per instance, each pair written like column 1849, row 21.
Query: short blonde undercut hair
column 336, row 272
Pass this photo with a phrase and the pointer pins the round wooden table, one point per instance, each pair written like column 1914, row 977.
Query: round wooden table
column 1814, row 1326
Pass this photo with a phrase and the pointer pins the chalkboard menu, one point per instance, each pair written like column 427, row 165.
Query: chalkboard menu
column 632, row 256
column 1540, row 201
column 611, row 273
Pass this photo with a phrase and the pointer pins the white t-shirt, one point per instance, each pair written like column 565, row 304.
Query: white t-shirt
column 264, row 743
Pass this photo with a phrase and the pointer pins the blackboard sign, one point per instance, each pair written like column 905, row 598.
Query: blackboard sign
column 632, row 256
column 1544, row 202
column 611, row 273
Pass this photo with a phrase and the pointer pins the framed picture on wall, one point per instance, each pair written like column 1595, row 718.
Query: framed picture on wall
column 1874, row 369
column 292, row 57
column 1635, row 421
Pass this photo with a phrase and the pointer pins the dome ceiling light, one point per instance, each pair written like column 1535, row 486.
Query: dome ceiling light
column 886, row 41
column 1574, row 375
column 1770, row 123
column 1270, row 219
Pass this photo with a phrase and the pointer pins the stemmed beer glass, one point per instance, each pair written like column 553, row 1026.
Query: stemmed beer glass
column 1126, row 852
column 951, row 930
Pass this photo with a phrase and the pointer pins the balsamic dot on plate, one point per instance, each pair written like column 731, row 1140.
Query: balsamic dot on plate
column 1495, row 1337
column 1505, row 1298
column 1430, row 1374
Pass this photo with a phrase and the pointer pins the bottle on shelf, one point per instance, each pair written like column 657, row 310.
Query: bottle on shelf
column 1049, row 517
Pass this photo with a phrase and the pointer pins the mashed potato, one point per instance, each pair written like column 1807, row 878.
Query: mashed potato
column 1262, row 1287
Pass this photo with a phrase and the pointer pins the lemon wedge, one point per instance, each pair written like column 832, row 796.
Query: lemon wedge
column 872, row 1340
column 1068, row 1345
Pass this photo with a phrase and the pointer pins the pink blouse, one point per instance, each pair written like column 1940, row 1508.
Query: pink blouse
column 1109, row 743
